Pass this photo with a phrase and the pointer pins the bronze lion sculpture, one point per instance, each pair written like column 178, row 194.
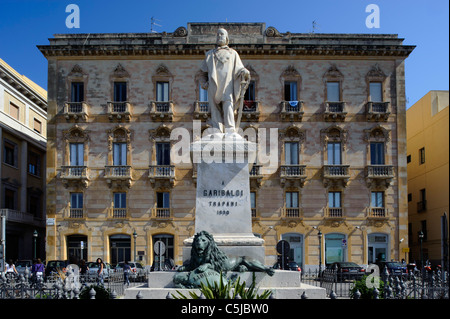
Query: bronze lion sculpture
column 208, row 260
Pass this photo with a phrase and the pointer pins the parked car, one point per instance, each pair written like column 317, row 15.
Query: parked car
column 291, row 265
column 93, row 269
column 138, row 272
column 53, row 266
column 347, row 270
column 21, row 265
column 394, row 268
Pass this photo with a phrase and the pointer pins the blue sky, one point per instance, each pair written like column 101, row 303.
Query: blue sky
column 27, row 23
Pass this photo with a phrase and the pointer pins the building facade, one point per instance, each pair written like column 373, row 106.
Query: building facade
column 23, row 119
column 428, row 173
column 332, row 104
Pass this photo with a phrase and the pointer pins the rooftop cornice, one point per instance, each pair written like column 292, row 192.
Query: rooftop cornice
column 22, row 86
column 246, row 38
column 244, row 49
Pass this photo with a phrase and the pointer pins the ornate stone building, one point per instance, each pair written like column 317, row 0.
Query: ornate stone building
column 333, row 104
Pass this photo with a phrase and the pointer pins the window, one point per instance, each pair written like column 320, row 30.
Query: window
column 423, row 224
column 162, row 91
column 423, row 195
column 37, row 126
column 334, row 199
column 252, row 200
column 163, row 200
column 120, row 200
column 10, row 198
column 202, row 93
column 422, row 155
column 76, row 200
column 333, row 92
column 334, row 153
column 422, row 204
column 409, row 197
column 162, row 153
column 10, row 153
column 34, row 205
column 290, row 91
column 376, row 94
column 76, row 154
column 376, row 153
column 120, row 91
column 291, row 199
column 77, row 92
column 120, row 154
column 377, row 199
column 334, row 248
column 408, row 159
column 14, row 111
column 34, row 164
column 291, row 153
column 250, row 93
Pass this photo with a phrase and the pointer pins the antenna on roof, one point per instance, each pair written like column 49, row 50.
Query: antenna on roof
column 315, row 26
column 153, row 23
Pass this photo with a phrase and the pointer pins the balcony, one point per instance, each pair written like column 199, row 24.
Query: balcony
column 161, row 110
column 74, row 176
column 16, row 216
column 162, row 173
column 162, row 213
column 294, row 174
column 377, row 213
column 379, row 175
column 292, row 212
column 76, row 110
column 201, row 110
column 421, row 206
column 334, row 111
column 255, row 175
column 291, row 110
column 333, row 213
column 75, row 213
column 118, row 213
column 336, row 175
column 118, row 175
column 377, row 111
column 119, row 111
column 250, row 111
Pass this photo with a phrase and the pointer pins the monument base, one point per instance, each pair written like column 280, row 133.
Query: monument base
column 284, row 284
column 233, row 245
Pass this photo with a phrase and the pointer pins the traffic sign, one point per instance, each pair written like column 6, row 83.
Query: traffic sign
column 159, row 247
column 283, row 247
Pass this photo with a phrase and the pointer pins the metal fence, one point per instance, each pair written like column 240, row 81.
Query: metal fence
column 61, row 286
column 425, row 285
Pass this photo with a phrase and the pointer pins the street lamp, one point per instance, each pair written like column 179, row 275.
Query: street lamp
column 319, row 234
column 421, row 252
column 35, row 236
column 134, row 236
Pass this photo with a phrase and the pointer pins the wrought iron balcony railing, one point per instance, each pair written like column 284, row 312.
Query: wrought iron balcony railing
column 335, row 111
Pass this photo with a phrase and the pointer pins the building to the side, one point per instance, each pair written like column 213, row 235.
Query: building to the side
column 428, row 176
column 336, row 107
column 23, row 122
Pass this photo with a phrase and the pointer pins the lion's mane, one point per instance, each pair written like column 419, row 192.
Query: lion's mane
column 212, row 255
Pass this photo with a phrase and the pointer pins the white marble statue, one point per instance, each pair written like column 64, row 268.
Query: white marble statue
column 226, row 80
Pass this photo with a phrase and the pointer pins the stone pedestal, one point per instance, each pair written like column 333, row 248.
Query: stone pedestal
column 283, row 284
column 223, row 205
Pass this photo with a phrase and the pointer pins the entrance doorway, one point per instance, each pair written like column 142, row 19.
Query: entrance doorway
column 377, row 248
column 77, row 247
column 120, row 246
column 296, row 247
column 167, row 257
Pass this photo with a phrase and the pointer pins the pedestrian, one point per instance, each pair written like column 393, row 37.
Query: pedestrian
column 126, row 273
column 83, row 270
column 10, row 268
column 100, row 266
column 38, row 269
